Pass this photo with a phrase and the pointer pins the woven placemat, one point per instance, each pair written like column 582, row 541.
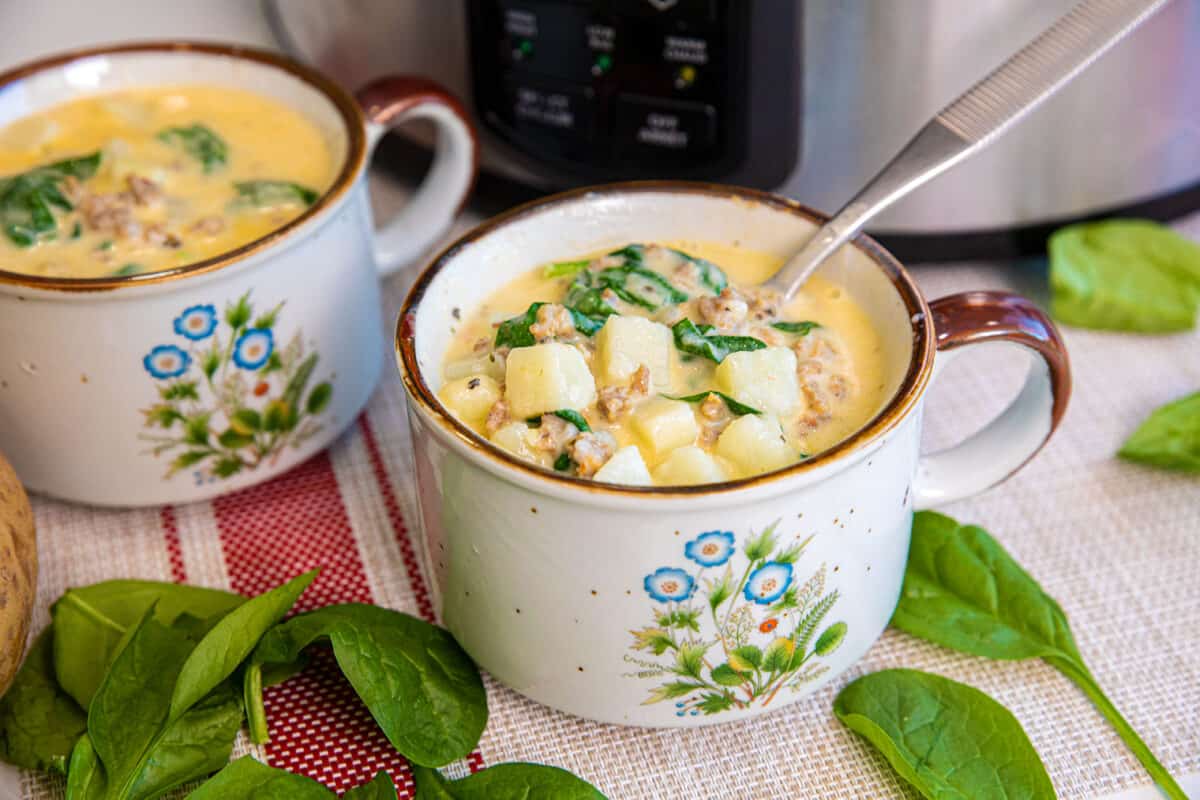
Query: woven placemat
column 1115, row 543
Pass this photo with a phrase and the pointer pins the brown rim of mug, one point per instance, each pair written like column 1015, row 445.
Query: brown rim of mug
column 919, row 368
column 348, row 109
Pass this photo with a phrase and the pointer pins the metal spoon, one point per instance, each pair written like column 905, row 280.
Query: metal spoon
column 975, row 120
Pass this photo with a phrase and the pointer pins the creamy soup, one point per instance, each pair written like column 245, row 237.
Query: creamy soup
column 664, row 365
column 150, row 179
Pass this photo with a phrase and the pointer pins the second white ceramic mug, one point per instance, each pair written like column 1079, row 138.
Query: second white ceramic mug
column 180, row 385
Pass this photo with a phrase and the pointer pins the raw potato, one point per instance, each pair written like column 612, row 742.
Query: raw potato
column 18, row 572
column 663, row 425
column 547, row 377
column 626, row 343
column 471, row 398
column 762, row 379
column 689, row 465
column 755, row 444
column 626, row 467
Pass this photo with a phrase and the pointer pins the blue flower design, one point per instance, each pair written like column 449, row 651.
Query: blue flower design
column 253, row 348
column 197, row 322
column 768, row 583
column 711, row 549
column 167, row 361
column 669, row 584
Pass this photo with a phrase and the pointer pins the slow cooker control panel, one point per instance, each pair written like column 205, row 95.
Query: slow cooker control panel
column 631, row 88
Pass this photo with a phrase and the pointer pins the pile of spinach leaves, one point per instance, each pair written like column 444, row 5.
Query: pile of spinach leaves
column 963, row 591
column 139, row 687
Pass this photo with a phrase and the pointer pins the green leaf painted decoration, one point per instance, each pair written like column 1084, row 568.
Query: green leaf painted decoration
column 200, row 143
column 28, row 200
column 948, row 740
column 1124, row 275
column 267, row 194
column 962, row 590
column 692, row 340
column 385, row 654
column 735, row 408
column 1169, row 438
column 516, row 781
column 39, row 722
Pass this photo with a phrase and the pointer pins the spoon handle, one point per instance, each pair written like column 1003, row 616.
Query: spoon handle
column 976, row 119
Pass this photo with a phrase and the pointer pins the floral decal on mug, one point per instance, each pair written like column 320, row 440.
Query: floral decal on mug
column 754, row 629
column 229, row 399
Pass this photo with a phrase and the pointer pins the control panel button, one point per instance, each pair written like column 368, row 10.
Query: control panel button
column 652, row 125
column 536, row 105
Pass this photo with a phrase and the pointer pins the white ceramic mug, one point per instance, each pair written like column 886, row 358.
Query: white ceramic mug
column 180, row 385
column 671, row 606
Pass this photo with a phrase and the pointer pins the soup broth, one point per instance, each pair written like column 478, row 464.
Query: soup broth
column 664, row 365
column 151, row 179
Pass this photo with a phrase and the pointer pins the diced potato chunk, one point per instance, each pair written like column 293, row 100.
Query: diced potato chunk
column 663, row 425
column 470, row 399
column 490, row 365
column 755, row 444
column 625, row 343
column 689, row 465
column 514, row 437
column 763, row 379
column 547, row 377
column 626, row 466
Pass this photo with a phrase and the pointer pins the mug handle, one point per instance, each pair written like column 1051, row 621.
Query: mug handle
column 1003, row 446
column 391, row 101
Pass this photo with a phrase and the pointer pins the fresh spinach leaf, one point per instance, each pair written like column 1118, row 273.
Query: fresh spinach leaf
column 228, row 644
column 798, row 328
column 265, row 194
column 247, row 779
column 560, row 269
column 949, row 740
column 516, row 781
column 418, row 684
column 39, row 722
column 736, row 408
column 28, row 200
column 962, row 590
column 90, row 621
column 691, row 339
column 200, row 142
column 1125, row 275
column 378, row 788
column 1169, row 438
column 85, row 775
column 712, row 276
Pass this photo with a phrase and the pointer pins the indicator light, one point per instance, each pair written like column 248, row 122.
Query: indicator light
column 602, row 64
column 685, row 76
column 523, row 50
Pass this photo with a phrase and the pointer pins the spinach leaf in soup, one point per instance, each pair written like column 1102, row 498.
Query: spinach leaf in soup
column 949, row 740
column 39, row 722
column 712, row 276
column 127, row 270
column 560, row 269
column 735, row 408
column 28, row 200
column 267, row 194
column 90, row 622
column 515, row 331
column 797, row 328
column 565, row 414
column 962, row 590
column 247, row 779
column 1125, row 275
column 1169, row 438
column 200, row 142
column 636, row 283
column 514, row 781
column 586, row 296
column 422, row 689
column 701, row 342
